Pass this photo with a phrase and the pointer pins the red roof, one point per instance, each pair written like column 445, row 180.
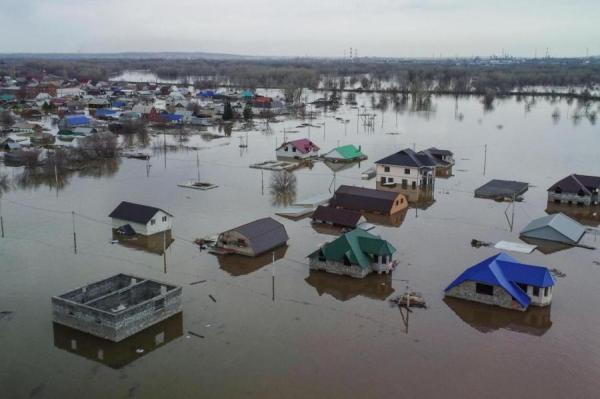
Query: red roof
column 303, row 145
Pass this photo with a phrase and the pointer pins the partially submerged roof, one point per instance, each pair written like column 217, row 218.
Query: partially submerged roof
column 303, row 146
column 408, row 158
column 263, row 234
column 575, row 183
column 557, row 227
column 501, row 189
column 77, row 119
column 504, row 271
column 136, row 213
column 346, row 152
column 356, row 246
column 366, row 199
column 336, row 216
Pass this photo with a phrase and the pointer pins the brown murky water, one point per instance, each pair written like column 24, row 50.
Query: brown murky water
column 321, row 336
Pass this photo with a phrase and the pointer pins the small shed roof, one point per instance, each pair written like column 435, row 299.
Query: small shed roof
column 336, row 216
column 303, row 146
column 557, row 227
column 365, row 199
column 263, row 234
column 136, row 213
column 347, row 152
column 501, row 189
column 505, row 271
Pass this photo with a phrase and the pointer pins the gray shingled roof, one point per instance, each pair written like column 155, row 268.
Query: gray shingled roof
column 408, row 158
column 136, row 213
column 558, row 227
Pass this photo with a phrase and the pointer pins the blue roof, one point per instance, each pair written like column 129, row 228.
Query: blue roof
column 173, row 117
column 504, row 271
column 118, row 104
column 75, row 120
column 205, row 93
column 105, row 112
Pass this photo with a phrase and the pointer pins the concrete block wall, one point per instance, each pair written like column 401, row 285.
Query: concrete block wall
column 338, row 268
column 466, row 290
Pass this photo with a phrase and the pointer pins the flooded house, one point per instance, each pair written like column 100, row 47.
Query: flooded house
column 504, row 281
column 355, row 254
column 557, row 228
column 117, row 307
column 363, row 200
column 298, row 149
column 140, row 219
column 500, row 190
column 408, row 169
column 337, row 217
column 69, row 122
column 576, row 189
column 252, row 239
column 444, row 160
column 346, row 153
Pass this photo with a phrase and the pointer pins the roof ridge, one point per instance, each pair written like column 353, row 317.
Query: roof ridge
column 574, row 177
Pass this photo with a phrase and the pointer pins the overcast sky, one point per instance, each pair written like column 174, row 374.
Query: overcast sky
column 396, row 28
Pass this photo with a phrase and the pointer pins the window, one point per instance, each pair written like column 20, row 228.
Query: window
column 321, row 256
column 523, row 287
column 536, row 291
column 407, row 171
column 404, row 182
column 294, row 149
column 484, row 289
column 414, row 184
column 164, row 218
column 152, row 222
column 286, row 149
column 546, row 291
column 347, row 261
column 386, row 168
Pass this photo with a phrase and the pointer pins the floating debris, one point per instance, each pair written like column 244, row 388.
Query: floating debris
column 195, row 334
column 478, row 244
column 213, row 299
column 411, row 300
column 139, row 350
column 558, row 273
column 595, row 262
column 198, row 282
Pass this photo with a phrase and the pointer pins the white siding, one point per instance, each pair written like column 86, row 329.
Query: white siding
column 149, row 228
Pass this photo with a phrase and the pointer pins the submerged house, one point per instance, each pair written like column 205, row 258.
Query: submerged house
column 299, row 149
column 337, row 217
column 502, row 189
column 345, row 153
column 254, row 238
column 444, row 160
column 503, row 281
column 140, row 219
column 408, row 169
column 557, row 228
column 117, row 307
column 355, row 254
column 362, row 199
column 576, row 189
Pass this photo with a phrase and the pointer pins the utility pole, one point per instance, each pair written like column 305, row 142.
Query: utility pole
column 484, row 158
column 74, row 234
column 56, row 175
column 1, row 220
column 165, row 251
column 198, row 166
column 273, row 276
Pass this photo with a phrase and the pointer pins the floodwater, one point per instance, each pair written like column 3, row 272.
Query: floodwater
column 308, row 334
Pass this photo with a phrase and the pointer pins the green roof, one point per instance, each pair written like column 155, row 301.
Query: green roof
column 7, row 97
column 357, row 245
column 349, row 151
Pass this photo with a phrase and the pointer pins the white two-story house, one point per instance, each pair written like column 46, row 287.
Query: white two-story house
column 407, row 169
column 143, row 219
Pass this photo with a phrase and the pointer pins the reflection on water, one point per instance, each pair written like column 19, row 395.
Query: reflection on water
column 154, row 244
column 485, row 318
column 344, row 288
column 283, row 188
column 238, row 265
column 546, row 247
column 118, row 354
column 588, row 215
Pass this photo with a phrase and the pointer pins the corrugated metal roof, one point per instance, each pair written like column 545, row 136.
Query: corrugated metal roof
column 501, row 189
column 263, row 234
column 335, row 216
column 365, row 199
column 357, row 245
column 505, row 271
column 569, row 231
